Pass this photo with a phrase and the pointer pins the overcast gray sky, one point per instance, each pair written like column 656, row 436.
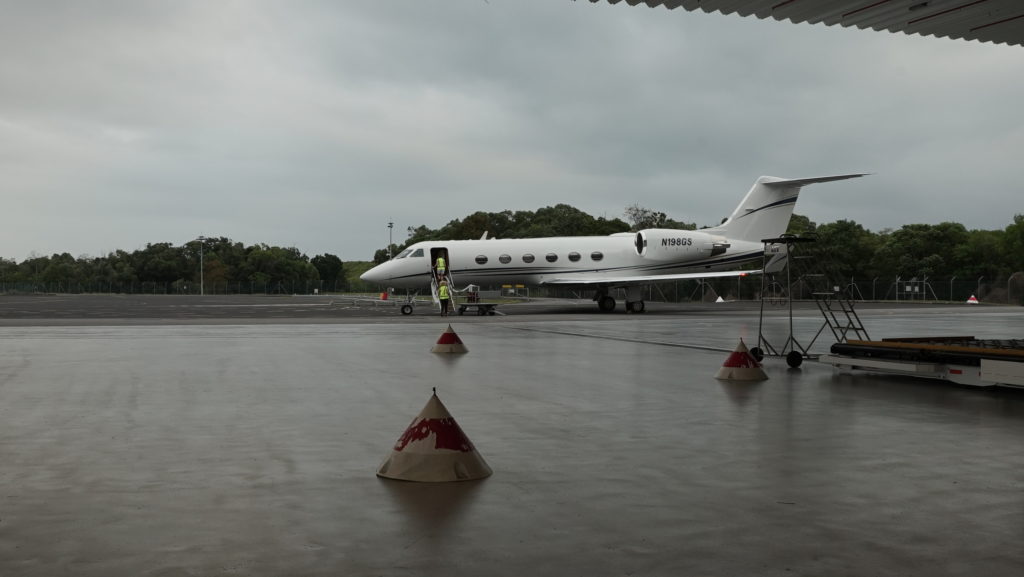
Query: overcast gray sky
column 312, row 124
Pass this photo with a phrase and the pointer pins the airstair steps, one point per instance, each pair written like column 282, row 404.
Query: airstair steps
column 434, row 285
column 840, row 316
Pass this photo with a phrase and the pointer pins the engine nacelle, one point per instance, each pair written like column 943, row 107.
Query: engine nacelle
column 671, row 244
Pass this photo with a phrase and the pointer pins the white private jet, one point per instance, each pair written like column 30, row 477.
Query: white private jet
column 624, row 260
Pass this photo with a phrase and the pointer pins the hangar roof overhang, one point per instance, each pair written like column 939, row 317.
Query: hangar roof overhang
column 996, row 21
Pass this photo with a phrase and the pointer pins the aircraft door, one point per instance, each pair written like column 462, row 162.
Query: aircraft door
column 441, row 268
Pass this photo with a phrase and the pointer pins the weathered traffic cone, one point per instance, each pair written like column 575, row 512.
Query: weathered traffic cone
column 434, row 449
column 449, row 343
column 972, row 300
column 741, row 366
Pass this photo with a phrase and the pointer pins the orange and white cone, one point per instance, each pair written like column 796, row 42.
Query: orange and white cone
column 973, row 300
column 434, row 449
column 449, row 343
column 741, row 366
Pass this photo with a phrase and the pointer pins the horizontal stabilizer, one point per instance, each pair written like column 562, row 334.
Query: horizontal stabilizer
column 806, row 181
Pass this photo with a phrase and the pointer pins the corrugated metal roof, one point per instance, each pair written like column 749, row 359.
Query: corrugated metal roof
column 997, row 21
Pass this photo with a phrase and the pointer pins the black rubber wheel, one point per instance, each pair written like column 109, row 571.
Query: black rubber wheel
column 606, row 304
column 757, row 353
column 406, row 309
column 794, row 359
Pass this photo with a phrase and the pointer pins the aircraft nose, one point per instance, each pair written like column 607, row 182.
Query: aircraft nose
column 375, row 274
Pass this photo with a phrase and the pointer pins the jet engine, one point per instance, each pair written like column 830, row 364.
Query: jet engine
column 665, row 244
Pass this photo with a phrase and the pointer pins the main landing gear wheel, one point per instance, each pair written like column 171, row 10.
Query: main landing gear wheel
column 606, row 304
column 635, row 307
column 794, row 359
column 406, row 309
column 757, row 353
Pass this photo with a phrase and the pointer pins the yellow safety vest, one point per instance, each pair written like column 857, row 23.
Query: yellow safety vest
column 442, row 292
column 440, row 263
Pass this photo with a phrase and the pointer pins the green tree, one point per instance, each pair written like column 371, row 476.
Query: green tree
column 331, row 270
column 1013, row 244
column 8, row 273
column 800, row 225
column 382, row 255
column 641, row 218
column 924, row 248
column 61, row 268
column 849, row 248
column 31, row 269
column 162, row 262
column 284, row 269
column 117, row 267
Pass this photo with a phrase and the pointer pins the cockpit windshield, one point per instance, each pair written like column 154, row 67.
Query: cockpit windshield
column 419, row 252
column 404, row 253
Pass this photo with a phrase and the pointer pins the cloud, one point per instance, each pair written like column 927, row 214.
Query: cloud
column 315, row 123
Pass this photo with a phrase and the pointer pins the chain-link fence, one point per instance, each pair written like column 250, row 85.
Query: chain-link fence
column 774, row 288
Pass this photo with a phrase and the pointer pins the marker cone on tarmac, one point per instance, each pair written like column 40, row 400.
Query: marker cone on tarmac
column 741, row 366
column 972, row 301
column 434, row 449
column 449, row 343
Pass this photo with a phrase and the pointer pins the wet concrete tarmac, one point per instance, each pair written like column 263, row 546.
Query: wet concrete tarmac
column 156, row 444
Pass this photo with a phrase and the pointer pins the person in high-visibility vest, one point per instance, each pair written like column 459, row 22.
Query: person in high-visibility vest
column 440, row 266
column 444, row 296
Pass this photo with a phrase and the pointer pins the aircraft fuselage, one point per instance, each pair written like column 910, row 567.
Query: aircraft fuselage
column 560, row 260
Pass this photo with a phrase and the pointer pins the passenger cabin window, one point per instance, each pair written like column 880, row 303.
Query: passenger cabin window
column 505, row 259
column 419, row 252
column 552, row 257
column 574, row 256
column 481, row 259
column 596, row 255
column 527, row 258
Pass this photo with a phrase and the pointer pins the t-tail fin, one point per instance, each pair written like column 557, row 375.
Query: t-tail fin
column 765, row 211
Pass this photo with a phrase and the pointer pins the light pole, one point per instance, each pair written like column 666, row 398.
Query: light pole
column 391, row 226
column 202, row 288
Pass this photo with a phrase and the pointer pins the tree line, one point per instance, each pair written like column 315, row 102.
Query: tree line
column 946, row 250
column 227, row 266
column 844, row 248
